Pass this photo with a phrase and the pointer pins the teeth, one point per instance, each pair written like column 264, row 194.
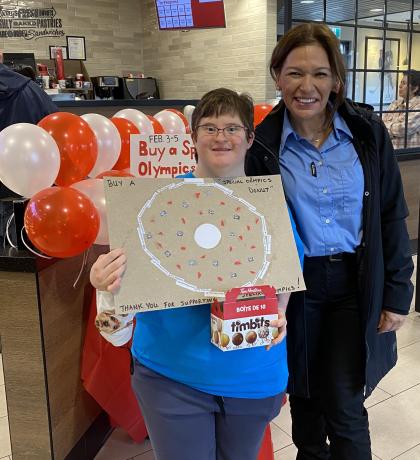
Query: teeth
column 305, row 101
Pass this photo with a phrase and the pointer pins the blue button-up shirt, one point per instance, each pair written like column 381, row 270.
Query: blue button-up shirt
column 324, row 188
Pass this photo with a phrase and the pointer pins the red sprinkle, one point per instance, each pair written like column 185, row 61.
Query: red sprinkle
column 222, row 203
column 241, row 237
column 178, row 266
column 160, row 233
column 257, row 220
column 238, row 209
column 230, row 248
column 183, row 248
column 199, row 275
column 197, row 194
column 203, row 256
column 248, row 227
column 220, row 278
column 222, row 223
column 183, row 220
column 201, row 213
column 252, row 272
column 237, row 262
column 170, row 202
column 253, row 247
column 159, row 245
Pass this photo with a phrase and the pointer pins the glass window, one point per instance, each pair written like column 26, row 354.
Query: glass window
column 371, row 13
column 308, row 10
column 379, row 41
column 398, row 15
column 340, row 11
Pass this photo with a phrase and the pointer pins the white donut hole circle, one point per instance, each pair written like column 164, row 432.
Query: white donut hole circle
column 207, row 236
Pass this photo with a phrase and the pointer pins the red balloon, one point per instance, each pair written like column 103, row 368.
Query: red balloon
column 157, row 127
column 114, row 172
column 61, row 221
column 184, row 120
column 125, row 128
column 260, row 112
column 77, row 145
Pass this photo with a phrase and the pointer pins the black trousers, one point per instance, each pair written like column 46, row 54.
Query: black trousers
column 335, row 366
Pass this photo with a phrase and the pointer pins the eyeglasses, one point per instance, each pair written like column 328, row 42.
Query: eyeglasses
column 228, row 131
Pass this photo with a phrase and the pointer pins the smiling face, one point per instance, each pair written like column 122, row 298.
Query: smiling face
column 221, row 155
column 306, row 82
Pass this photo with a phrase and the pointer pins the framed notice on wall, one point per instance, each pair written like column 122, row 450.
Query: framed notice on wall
column 76, row 48
column 53, row 50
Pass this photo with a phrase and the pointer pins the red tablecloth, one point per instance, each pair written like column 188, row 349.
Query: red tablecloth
column 106, row 377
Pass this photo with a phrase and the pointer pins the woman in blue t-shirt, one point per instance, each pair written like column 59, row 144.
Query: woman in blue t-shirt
column 198, row 402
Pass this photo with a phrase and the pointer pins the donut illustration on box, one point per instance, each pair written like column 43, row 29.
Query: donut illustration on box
column 204, row 237
column 243, row 319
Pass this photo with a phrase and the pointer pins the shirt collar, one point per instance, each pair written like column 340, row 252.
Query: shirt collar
column 287, row 131
column 340, row 128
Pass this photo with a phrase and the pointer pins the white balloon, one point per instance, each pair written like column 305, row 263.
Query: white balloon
column 171, row 122
column 29, row 159
column 94, row 189
column 188, row 111
column 143, row 124
column 108, row 139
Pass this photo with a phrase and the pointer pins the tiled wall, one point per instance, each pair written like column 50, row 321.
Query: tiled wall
column 123, row 35
column 187, row 64
column 112, row 30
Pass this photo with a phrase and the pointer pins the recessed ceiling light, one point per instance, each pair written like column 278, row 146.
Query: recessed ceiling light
column 376, row 10
column 307, row 1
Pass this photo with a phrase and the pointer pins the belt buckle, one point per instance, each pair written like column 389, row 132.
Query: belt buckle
column 336, row 257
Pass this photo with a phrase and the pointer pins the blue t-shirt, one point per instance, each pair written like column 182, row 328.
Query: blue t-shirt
column 176, row 343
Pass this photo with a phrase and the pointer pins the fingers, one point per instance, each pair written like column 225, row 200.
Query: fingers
column 281, row 325
column 390, row 322
column 108, row 269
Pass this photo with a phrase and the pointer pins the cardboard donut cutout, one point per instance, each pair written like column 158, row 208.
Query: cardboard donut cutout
column 183, row 227
column 189, row 241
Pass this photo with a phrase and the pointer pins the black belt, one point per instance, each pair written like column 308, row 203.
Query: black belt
column 339, row 257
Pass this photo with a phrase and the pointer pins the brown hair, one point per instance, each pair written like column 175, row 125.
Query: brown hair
column 413, row 77
column 223, row 101
column 312, row 34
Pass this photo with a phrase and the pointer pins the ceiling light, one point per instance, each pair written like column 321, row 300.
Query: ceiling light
column 307, row 1
column 376, row 10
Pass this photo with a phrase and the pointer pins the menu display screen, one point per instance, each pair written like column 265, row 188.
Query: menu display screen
column 190, row 14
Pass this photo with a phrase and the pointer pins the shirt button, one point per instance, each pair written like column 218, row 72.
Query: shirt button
column 320, row 163
column 366, row 193
column 332, row 249
column 327, row 221
column 325, row 190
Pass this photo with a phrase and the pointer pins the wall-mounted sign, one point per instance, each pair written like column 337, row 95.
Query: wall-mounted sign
column 76, row 48
column 29, row 23
column 53, row 50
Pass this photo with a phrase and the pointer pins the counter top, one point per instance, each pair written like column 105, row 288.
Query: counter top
column 14, row 260
column 127, row 103
column 17, row 260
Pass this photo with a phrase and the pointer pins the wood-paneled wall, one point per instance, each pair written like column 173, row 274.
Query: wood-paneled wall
column 42, row 325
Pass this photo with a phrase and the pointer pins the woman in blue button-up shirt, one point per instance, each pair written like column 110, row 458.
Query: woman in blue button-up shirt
column 344, row 188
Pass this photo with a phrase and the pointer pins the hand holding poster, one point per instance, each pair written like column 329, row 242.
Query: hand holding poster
column 190, row 240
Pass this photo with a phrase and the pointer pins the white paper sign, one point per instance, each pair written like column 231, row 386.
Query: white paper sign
column 161, row 155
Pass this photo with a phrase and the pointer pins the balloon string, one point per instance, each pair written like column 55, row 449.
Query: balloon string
column 30, row 249
column 9, row 221
column 84, row 262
